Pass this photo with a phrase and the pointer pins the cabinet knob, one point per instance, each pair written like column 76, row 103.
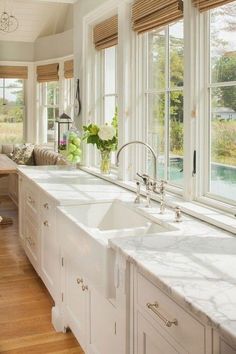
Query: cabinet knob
column 46, row 206
column 84, row 287
column 46, row 223
column 79, row 280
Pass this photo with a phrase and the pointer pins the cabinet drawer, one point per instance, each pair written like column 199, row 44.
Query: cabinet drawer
column 47, row 209
column 160, row 309
column 32, row 198
column 31, row 234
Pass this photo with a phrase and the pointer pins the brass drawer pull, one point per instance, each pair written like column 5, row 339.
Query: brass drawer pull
column 46, row 223
column 154, row 307
column 79, row 280
column 84, row 287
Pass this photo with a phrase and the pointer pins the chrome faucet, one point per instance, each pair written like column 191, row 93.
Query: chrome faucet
column 147, row 146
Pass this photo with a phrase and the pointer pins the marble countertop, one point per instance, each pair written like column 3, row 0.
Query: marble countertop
column 196, row 265
column 68, row 186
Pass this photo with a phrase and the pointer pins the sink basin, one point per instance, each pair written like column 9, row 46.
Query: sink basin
column 88, row 228
column 111, row 219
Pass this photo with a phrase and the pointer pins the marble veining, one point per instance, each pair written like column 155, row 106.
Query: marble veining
column 195, row 265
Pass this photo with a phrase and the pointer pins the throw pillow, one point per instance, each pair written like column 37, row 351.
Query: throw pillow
column 23, row 155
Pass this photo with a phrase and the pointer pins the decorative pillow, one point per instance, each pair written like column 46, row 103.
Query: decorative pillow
column 23, row 155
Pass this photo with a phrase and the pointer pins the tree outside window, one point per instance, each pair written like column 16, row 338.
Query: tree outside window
column 12, row 111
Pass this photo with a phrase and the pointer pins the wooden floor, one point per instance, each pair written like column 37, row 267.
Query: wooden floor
column 25, row 305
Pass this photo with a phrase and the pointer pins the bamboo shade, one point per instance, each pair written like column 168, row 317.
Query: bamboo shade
column 105, row 34
column 13, row 72
column 69, row 69
column 205, row 5
column 151, row 14
column 47, row 73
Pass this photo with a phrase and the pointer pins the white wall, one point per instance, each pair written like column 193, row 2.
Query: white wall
column 81, row 9
column 55, row 46
column 16, row 51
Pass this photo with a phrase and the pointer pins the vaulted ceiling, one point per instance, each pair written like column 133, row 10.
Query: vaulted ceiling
column 37, row 18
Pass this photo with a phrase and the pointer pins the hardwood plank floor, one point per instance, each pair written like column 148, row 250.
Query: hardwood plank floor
column 25, row 304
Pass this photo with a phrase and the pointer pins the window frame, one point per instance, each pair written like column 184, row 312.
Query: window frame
column 202, row 193
column 23, row 106
column 43, row 107
column 143, row 91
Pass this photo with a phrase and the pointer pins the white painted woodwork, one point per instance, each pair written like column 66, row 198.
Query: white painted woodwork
column 74, row 298
column 220, row 346
column 119, row 324
column 21, row 205
column 102, row 325
column 151, row 341
column 50, row 264
column 189, row 332
column 36, row 19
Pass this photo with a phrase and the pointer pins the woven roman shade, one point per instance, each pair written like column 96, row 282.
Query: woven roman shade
column 151, row 14
column 47, row 73
column 69, row 69
column 105, row 34
column 205, row 5
column 13, row 72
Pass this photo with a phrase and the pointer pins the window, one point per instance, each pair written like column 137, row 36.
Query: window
column 12, row 110
column 69, row 97
column 163, row 94
column 109, row 83
column 50, row 103
column 221, row 129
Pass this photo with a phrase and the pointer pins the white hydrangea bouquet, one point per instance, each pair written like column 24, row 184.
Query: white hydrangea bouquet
column 105, row 137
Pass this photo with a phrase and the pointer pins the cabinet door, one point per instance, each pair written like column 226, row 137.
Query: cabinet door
column 50, row 260
column 31, row 243
column 75, row 300
column 22, row 220
column 151, row 341
column 103, row 336
column 220, row 346
column 226, row 348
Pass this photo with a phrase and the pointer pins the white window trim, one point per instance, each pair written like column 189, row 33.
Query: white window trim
column 131, row 107
column 23, row 106
column 40, row 124
column 89, row 93
column 202, row 194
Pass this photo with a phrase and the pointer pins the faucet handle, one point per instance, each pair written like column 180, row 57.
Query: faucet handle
column 178, row 215
column 144, row 177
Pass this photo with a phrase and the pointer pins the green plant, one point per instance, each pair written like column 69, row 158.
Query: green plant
column 105, row 137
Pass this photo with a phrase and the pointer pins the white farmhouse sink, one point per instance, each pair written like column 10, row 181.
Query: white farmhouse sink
column 112, row 219
column 89, row 227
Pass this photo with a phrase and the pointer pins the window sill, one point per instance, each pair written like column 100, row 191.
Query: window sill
column 213, row 216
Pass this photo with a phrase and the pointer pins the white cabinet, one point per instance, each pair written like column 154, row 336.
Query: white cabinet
column 75, row 299
column 90, row 316
column 29, row 221
column 37, row 213
column 103, row 325
column 49, row 245
column 220, row 345
column 150, row 340
column 162, row 326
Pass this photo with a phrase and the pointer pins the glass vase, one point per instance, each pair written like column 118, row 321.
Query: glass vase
column 105, row 163
column 73, row 147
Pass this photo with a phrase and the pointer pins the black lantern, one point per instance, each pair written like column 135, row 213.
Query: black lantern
column 64, row 122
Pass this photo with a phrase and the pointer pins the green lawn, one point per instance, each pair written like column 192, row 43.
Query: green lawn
column 11, row 133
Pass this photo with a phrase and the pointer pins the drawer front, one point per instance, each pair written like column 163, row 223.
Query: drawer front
column 47, row 207
column 31, row 244
column 163, row 311
column 32, row 199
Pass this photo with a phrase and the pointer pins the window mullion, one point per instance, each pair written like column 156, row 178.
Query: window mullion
column 167, row 104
